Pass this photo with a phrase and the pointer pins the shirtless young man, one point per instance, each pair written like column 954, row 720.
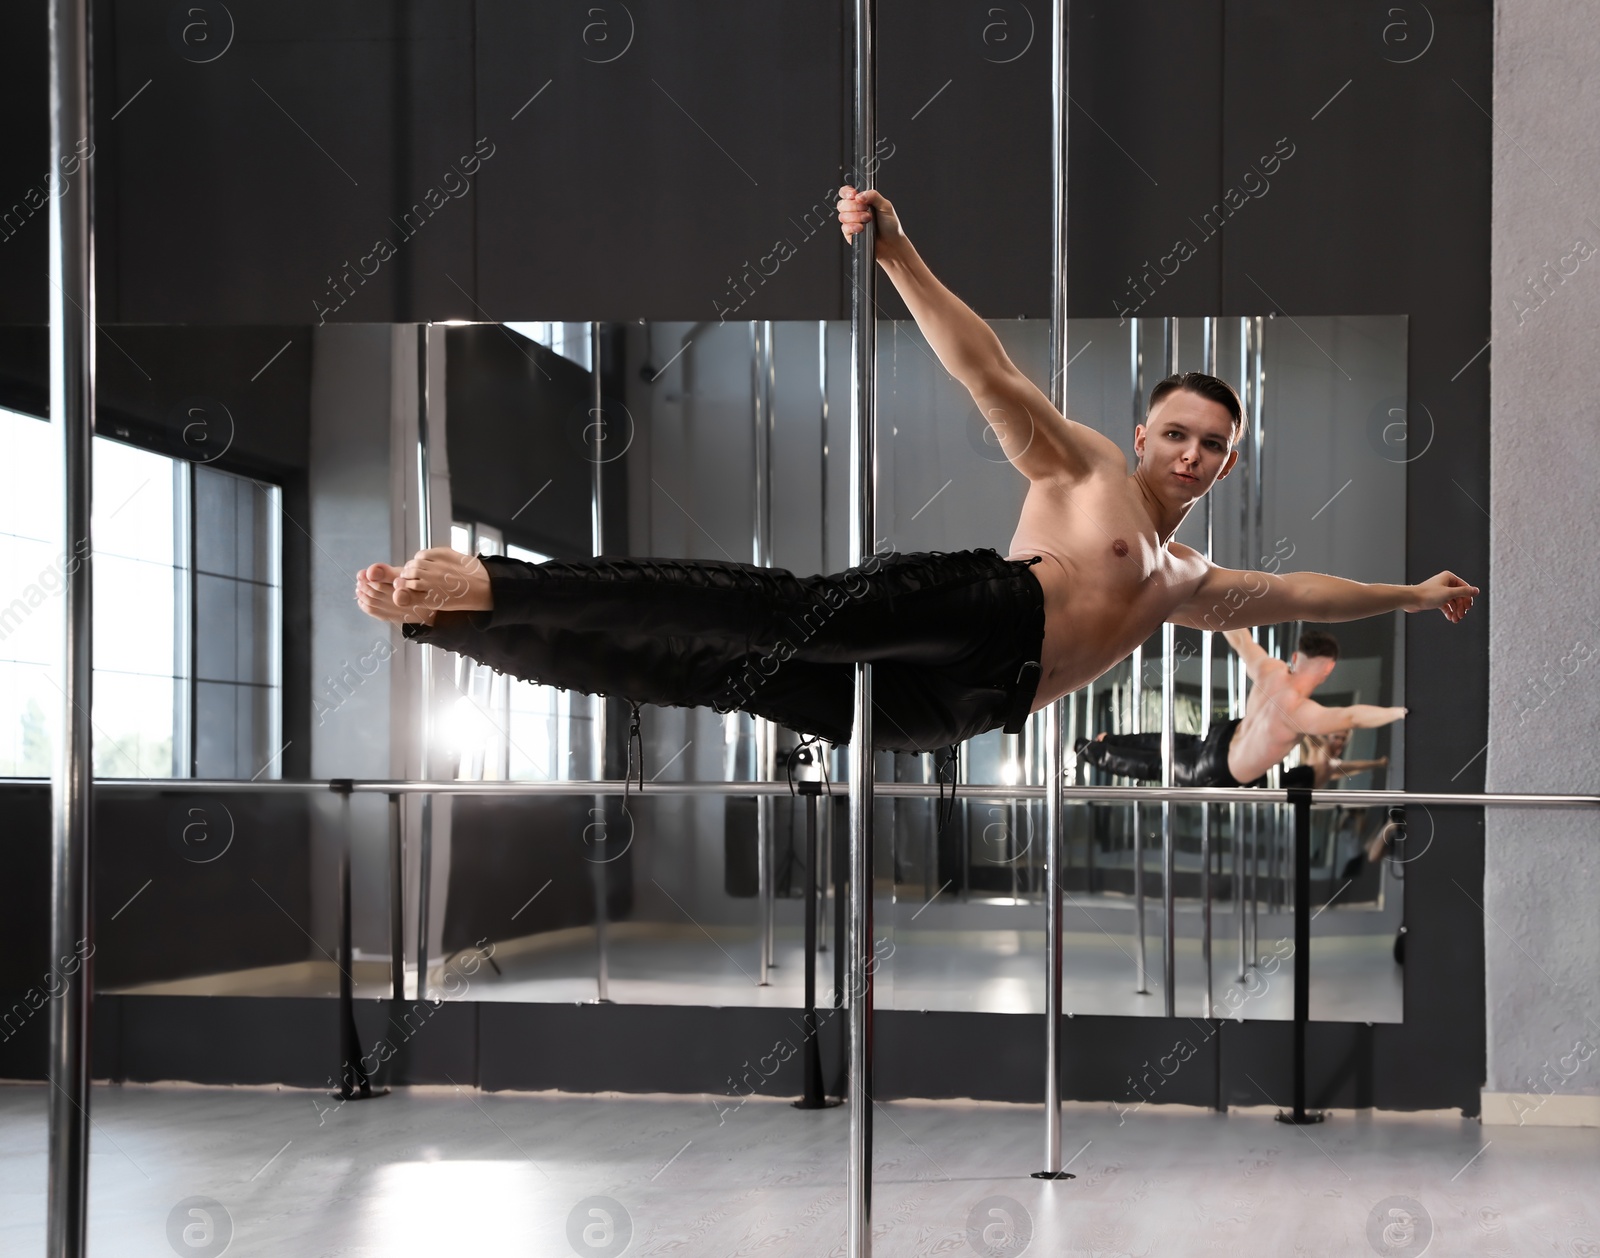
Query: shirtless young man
column 1278, row 713
column 960, row 643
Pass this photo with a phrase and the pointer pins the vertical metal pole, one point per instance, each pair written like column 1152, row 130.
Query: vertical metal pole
column 863, row 535
column 1169, row 666
column 1051, row 724
column 841, row 883
column 761, row 555
column 72, row 403
column 597, row 703
column 1135, row 714
column 1136, row 364
column 1258, row 437
column 1247, row 393
column 1236, row 815
column 822, row 425
column 1012, row 751
column 425, row 731
column 397, row 904
column 1274, row 836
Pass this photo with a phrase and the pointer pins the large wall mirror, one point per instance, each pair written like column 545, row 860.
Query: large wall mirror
column 245, row 474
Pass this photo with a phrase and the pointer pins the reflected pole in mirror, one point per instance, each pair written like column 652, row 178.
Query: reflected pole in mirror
column 1136, row 708
column 822, row 428
column 599, row 870
column 1169, row 668
column 1246, row 392
column 1208, row 347
column 426, row 697
column 762, row 393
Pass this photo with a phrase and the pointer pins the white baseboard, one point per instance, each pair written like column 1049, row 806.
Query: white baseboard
column 1525, row 1109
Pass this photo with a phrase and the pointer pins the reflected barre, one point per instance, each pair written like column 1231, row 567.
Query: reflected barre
column 898, row 790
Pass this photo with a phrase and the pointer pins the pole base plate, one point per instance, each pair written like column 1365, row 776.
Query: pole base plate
column 1052, row 1175
column 1301, row 1120
column 356, row 1094
column 825, row 1103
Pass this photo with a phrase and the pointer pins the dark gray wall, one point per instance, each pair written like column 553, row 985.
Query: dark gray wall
column 238, row 190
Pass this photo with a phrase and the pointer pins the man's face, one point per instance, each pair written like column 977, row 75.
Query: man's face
column 1185, row 446
column 1337, row 741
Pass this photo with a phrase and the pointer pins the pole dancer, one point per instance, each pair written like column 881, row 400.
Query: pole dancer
column 961, row 643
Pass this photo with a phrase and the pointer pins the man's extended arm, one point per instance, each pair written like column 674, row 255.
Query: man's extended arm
column 1037, row 439
column 1249, row 651
column 1229, row 599
column 1311, row 717
column 1349, row 768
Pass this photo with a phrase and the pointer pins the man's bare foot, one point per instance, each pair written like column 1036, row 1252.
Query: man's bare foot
column 375, row 596
column 443, row 580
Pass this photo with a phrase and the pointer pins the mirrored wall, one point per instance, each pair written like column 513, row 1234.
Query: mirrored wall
column 724, row 441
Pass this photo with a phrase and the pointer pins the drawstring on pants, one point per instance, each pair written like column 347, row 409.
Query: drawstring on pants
column 634, row 736
column 952, row 762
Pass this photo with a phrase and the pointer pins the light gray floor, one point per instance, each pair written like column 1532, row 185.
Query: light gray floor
column 1353, row 978
column 442, row 1171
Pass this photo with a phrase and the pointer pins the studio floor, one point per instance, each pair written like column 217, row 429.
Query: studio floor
column 434, row 1171
column 1353, row 978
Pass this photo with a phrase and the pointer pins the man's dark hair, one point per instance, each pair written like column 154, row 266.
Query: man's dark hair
column 1208, row 387
column 1316, row 642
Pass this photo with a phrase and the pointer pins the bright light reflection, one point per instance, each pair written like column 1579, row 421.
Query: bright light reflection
column 431, row 1208
column 466, row 728
column 1010, row 773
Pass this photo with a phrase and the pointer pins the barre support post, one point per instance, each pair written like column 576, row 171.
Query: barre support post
column 813, row 1096
column 354, row 1085
column 1300, row 797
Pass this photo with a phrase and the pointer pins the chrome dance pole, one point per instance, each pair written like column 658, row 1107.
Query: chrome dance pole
column 822, row 428
column 1051, row 723
column 597, row 703
column 822, row 566
column 1169, row 666
column 863, row 534
column 1135, row 714
column 425, row 723
column 761, row 556
column 72, row 402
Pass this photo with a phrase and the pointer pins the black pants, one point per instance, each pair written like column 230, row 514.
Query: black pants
column 1196, row 761
column 954, row 639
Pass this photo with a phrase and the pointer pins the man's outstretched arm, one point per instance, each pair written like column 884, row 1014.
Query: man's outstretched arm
column 1311, row 717
column 1229, row 599
column 1038, row 440
column 1250, row 652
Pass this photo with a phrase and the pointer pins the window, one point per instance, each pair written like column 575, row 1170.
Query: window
column 503, row 728
column 185, row 612
column 570, row 340
column 237, row 695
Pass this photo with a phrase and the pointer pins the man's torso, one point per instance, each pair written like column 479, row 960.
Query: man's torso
column 1268, row 731
column 1107, row 580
